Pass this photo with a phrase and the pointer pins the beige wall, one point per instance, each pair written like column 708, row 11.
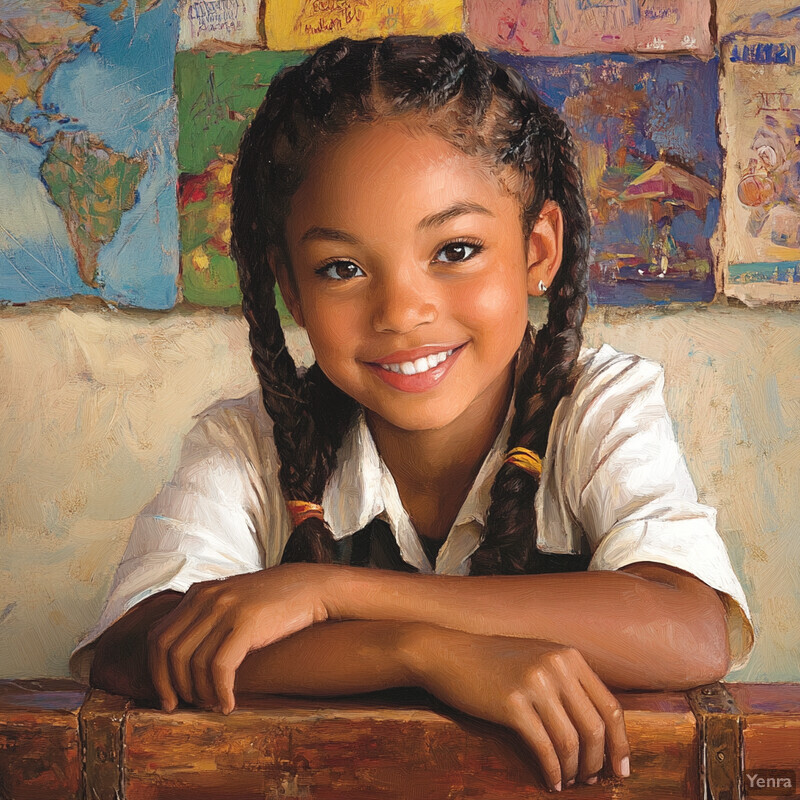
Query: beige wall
column 94, row 403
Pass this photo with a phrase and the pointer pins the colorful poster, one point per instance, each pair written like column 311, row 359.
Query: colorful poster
column 645, row 132
column 564, row 27
column 766, row 17
column 300, row 24
column 87, row 152
column 219, row 24
column 760, row 95
column 217, row 96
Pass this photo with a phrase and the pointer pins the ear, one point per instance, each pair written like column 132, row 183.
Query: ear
column 287, row 286
column 545, row 248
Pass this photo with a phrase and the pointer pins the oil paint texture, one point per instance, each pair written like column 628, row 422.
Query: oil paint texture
column 564, row 27
column 760, row 90
column 645, row 131
column 87, row 152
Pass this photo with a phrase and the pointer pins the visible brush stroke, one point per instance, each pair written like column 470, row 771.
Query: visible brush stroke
column 651, row 166
column 298, row 24
column 88, row 88
column 562, row 27
column 93, row 186
column 761, row 119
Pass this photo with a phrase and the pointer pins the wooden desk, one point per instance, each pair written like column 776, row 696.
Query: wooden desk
column 60, row 740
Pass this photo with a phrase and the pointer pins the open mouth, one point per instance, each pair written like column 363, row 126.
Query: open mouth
column 419, row 375
column 419, row 365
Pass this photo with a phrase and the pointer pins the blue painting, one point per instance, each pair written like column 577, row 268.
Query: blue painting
column 87, row 151
column 645, row 131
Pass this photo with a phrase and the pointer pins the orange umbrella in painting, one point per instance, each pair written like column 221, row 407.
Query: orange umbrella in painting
column 670, row 184
column 666, row 186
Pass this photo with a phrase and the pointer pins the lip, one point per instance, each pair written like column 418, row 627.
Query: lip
column 412, row 355
column 423, row 381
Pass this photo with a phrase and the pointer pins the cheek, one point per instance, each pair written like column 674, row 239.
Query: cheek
column 332, row 330
column 500, row 304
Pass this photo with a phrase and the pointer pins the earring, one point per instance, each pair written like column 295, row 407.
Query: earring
column 542, row 287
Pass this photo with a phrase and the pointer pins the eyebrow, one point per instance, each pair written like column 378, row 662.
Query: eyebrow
column 431, row 221
column 456, row 210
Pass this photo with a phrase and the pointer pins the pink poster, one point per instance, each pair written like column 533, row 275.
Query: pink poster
column 563, row 27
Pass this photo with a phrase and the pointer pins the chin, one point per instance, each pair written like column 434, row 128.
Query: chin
column 421, row 419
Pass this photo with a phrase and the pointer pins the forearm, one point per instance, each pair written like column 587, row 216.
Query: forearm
column 634, row 633
column 329, row 658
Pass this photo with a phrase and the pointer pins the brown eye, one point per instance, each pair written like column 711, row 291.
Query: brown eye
column 340, row 270
column 457, row 251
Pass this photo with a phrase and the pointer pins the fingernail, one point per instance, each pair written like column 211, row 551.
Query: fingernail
column 570, row 782
column 593, row 779
column 625, row 767
column 558, row 786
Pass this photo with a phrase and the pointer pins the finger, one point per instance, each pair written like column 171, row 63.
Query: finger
column 591, row 731
column 182, row 650
column 201, row 668
column 529, row 726
column 159, row 641
column 619, row 751
column 224, row 664
column 559, row 728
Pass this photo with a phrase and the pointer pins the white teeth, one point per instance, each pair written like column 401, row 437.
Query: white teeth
column 420, row 365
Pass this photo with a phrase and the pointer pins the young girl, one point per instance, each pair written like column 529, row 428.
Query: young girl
column 409, row 195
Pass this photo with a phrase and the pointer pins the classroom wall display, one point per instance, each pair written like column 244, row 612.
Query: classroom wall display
column 116, row 151
column 87, row 151
column 218, row 94
column 760, row 95
column 565, row 27
column 296, row 24
column 228, row 24
column 645, row 132
column 771, row 17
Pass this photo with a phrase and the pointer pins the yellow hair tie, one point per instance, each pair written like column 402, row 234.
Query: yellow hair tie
column 525, row 459
column 301, row 510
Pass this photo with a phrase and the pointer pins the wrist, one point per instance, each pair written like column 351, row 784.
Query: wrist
column 335, row 591
column 417, row 645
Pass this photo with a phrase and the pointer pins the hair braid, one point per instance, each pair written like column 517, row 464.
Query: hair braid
column 545, row 366
column 307, row 450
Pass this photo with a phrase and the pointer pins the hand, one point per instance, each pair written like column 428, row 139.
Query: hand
column 543, row 690
column 195, row 650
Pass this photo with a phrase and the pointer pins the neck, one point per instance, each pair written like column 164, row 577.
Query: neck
column 447, row 459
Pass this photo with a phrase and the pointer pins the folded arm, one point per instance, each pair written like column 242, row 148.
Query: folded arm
column 645, row 626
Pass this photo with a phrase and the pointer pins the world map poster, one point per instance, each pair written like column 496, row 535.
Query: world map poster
column 87, row 151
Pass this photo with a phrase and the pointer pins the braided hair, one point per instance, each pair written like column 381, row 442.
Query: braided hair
column 481, row 107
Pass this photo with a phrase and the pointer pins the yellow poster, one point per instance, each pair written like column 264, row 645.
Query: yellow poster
column 301, row 24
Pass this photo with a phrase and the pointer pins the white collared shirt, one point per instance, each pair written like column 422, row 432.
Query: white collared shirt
column 613, row 473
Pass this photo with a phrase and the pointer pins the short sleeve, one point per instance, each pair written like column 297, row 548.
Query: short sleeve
column 631, row 491
column 206, row 523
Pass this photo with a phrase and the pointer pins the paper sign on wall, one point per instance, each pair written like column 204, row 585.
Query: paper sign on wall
column 563, row 27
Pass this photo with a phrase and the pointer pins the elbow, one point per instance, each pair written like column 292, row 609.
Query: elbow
column 709, row 642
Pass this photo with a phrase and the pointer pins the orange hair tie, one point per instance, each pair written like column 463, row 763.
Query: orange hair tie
column 302, row 510
column 525, row 459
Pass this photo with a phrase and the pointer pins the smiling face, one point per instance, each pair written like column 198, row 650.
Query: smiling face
column 411, row 275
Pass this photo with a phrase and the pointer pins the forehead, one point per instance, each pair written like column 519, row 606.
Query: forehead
column 393, row 167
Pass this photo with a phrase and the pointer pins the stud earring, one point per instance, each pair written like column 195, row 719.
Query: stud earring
column 542, row 287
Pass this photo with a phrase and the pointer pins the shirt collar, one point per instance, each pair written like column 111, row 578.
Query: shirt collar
column 362, row 487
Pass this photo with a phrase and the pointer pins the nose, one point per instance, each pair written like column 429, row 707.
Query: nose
column 402, row 301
